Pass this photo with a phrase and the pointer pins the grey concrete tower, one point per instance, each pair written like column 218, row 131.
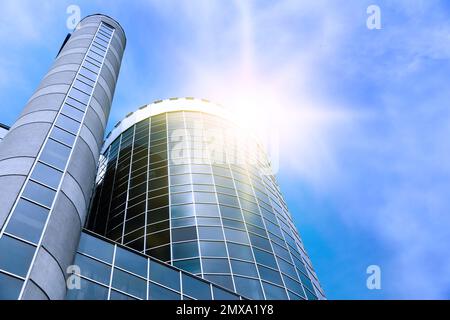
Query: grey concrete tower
column 48, row 161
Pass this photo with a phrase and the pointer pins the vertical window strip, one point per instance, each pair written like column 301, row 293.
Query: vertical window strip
column 26, row 183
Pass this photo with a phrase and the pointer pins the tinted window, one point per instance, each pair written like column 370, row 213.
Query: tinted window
column 89, row 291
column 240, row 251
column 63, row 136
column 183, row 222
column 93, row 269
column 39, row 193
column 159, row 293
column 164, row 275
column 129, row 283
column 191, row 265
column 185, row 250
column 182, row 211
column 119, row 296
column 209, row 210
column 55, row 154
column 249, row 288
column 131, row 261
column 213, row 249
column 19, row 262
column 264, row 258
column 273, row 292
column 79, row 95
column 215, row 266
column 210, row 233
column 46, row 175
column 183, row 234
column 270, row 275
column 196, row 288
column 68, row 124
column 220, row 294
column 27, row 221
column 244, row 268
column 72, row 112
column 9, row 287
column 76, row 103
column 221, row 280
column 96, row 247
column 236, row 235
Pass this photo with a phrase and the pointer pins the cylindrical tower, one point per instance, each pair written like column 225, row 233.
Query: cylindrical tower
column 180, row 181
column 48, row 161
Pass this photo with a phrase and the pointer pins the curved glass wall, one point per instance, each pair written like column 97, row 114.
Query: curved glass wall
column 192, row 189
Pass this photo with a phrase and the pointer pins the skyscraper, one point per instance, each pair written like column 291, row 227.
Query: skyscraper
column 48, row 162
column 180, row 181
column 179, row 201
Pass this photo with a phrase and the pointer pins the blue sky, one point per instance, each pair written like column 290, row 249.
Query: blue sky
column 363, row 115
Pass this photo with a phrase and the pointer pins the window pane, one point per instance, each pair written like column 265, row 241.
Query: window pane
column 182, row 211
column 181, row 198
column 55, row 154
column 27, row 221
column 183, row 222
column 265, row 258
column 63, row 136
column 196, row 288
column 244, row 268
column 273, row 292
column 131, row 262
column 67, row 124
column 184, row 234
column 220, row 294
column 239, row 251
column 129, row 283
column 75, row 103
column 79, row 95
column 96, row 247
column 215, row 266
column 221, row 280
column 9, row 287
column 164, row 275
column 91, row 66
column 210, row 233
column 270, row 275
column 119, row 296
column 159, row 293
column 93, row 269
column 209, row 210
column 19, row 262
column 185, row 250
column 72, row 112
column 46, row 175
column 94, row 55
column 39, row 193
column 249, row 288
column 191, row 265
column 88, row 291
column 213, row 249
column 88, row 74
column 236, row 235
column 232, row 213
column 209, row 221
column 260, row 242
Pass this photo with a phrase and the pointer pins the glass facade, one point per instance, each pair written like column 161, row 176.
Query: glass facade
column 108, row 271
column 191, row 189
